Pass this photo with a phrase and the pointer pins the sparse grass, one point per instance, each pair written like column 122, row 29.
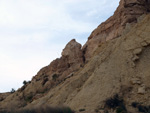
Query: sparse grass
column 113, row 102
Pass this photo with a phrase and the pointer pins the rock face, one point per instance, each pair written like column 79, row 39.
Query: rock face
column 71, row 60
column 85, row 77
column 127, row 12
column 59, row 69
column 110, row 71
column 49, row 76
column 3, row 96
column 74, row 54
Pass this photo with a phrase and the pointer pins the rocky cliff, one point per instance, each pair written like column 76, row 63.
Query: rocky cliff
column 112, row 67
column 127, row 12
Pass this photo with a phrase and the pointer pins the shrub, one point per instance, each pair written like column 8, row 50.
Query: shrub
column 55, row 76
column 24, row 82
column 134, row 104
column 12, row 90
column 144, row 109
column 141, row 108
column 115, row 103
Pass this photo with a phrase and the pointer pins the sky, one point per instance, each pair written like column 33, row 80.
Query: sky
column 34, row 32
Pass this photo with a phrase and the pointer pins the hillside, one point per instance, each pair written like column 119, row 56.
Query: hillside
column 114, row 61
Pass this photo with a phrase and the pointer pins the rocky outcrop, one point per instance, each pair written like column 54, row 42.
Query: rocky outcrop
column 49, row 76
column 85, row 77
column 73, row 53
column 112, row 70
column 127, row 12
column 70, row 61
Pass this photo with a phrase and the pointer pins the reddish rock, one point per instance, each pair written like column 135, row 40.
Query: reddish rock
column 127, row 12
column 70, row 61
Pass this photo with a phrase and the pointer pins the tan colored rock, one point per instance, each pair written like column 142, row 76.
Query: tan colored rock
column 143, row 44
column 128, row 12
column 107, row 73
column 136, row 81
column 51, row 75
column 142, row 89
column 73, row 53
column 137, row 51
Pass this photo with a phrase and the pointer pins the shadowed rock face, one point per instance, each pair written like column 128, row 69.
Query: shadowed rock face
column 127, row 12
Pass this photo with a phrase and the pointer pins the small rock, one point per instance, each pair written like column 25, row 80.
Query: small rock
column 144, row 44
column 135, row 58
column 137, row 51
column 132, row 64
column 141, row 89
column 136, row 81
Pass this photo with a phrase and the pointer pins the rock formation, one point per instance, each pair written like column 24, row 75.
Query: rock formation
column 114, row 63
column 127, row 12
column 48, row 77
column 112, row 70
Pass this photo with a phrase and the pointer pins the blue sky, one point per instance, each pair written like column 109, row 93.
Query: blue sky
column 34, row 32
